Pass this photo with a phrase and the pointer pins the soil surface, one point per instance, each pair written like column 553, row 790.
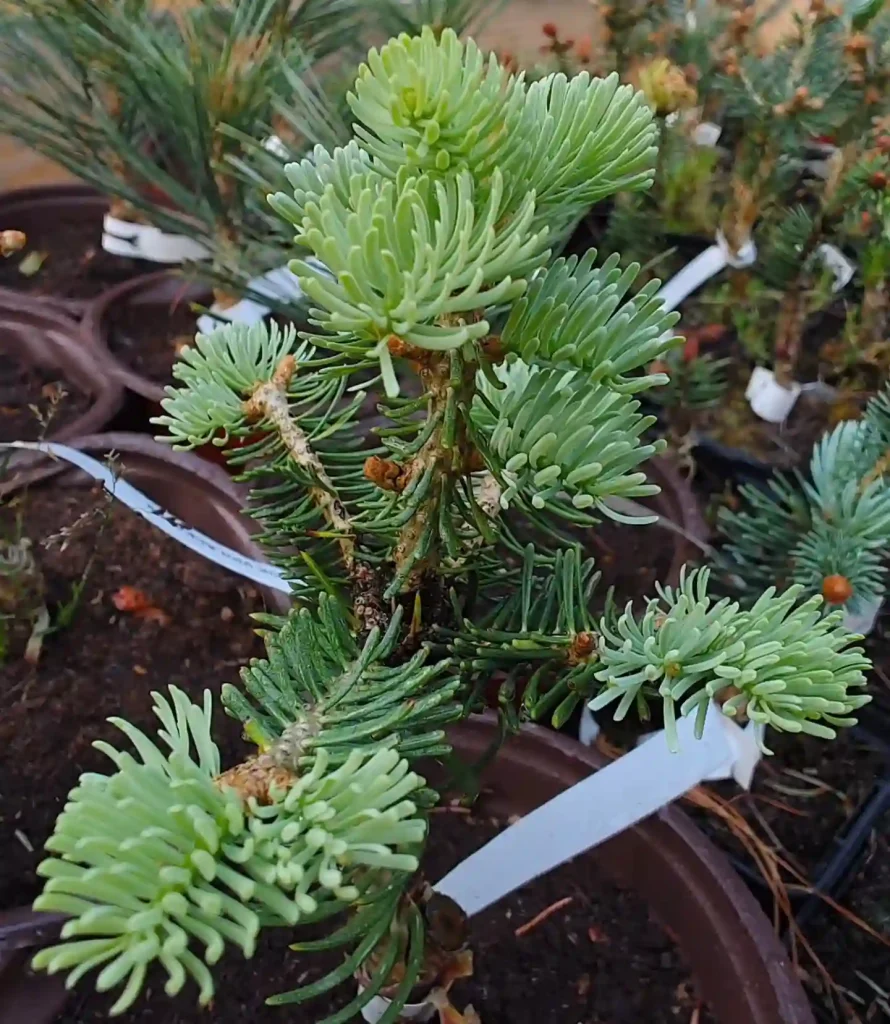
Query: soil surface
column 74, row 264
column 600, row 959
column 631, row 559
column 861, row 971
column 803, row 797
column 34, row 402
column 106, row 662
column 149, row 338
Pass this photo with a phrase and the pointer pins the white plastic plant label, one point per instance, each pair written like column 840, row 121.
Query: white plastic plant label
column 280, row 284
column 610, row 801
column 864, row 619
column 259, row 572
column 768, row 398
column 145, row 242
column 274, row 145
column 705, row 266
column 378, row 1006
column 838, row 264
column 706, row 134
column 588, row 727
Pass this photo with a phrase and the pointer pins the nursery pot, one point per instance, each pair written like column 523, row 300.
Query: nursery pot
column 39, row 212
column 154, row 296
column 739, row 965
column 37, row 334
column 202, row 495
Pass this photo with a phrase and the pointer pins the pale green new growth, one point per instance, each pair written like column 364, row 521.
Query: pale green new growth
column 418, row 250
column 163, row 858
column 220, row 372
column 434, row 105
column 556, row 434
column 576, row 141
column 780, row 663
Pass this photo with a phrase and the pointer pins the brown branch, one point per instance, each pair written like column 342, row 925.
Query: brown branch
column 269, row 401
column 789, row 333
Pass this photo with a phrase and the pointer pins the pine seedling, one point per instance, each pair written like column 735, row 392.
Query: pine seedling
column 866, row 228
column 151, row 102
column 826, row 531
column 429, row 556
column 823, row 79
column 24, row 618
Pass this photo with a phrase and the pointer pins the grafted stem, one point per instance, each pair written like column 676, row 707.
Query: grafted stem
column 269, row 402
column 446, row 454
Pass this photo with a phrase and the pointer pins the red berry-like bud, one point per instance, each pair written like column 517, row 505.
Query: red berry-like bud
column 837, row 589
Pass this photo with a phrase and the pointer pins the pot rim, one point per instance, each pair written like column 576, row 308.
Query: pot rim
column 95, row 334
column 88, row 371
column 57, row 190
column 211, row 482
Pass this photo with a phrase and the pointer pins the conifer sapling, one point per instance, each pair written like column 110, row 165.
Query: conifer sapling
column 427, row 557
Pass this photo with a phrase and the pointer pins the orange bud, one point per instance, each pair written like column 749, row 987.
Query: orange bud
column 837, row 589
column 12, row 241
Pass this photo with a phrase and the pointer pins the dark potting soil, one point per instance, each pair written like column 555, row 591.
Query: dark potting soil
column 877, row 647
column 34, row 402
column 105, row 662
column 632, row 559
column 857, row 961
column 149, row 338
column 74, row 265
column 599, row 959
column 802, row 797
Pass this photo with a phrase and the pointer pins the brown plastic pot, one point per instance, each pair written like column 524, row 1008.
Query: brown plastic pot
column 33, row 210
column 154, row 294
column 678, row 505
column 190, row 488
column 741, row 968
column 33, row 330
column 739, row 965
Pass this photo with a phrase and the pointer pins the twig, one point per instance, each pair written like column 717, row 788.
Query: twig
column 780, row 805
column 524, row 929
column 269, row 401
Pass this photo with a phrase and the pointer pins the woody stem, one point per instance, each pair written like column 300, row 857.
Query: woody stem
column 269, row 402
